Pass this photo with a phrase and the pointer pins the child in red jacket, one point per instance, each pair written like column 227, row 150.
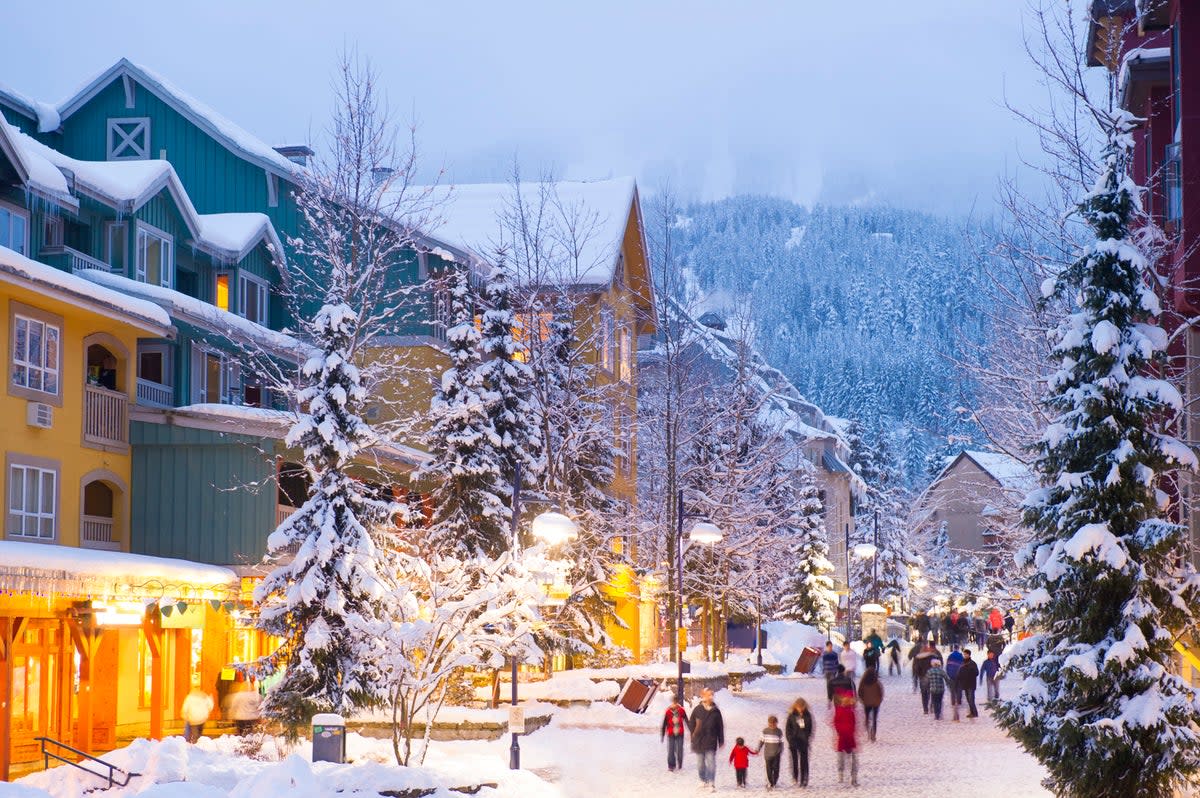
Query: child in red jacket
column 845, row 724
column 740, row 757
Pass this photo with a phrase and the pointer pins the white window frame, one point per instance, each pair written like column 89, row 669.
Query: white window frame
column 264, row 297
column 624, row 358
column 121, row 268
column 15, row 507
column 53, row 231
column 164, row 351
column 11, row 213
column 128, row 138
column 230, row 387
column 22, row 359
column 166, row 265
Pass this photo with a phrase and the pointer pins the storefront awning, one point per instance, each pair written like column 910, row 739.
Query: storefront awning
column 49, row 570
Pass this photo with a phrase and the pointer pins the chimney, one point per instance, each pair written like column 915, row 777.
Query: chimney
column 296, row 153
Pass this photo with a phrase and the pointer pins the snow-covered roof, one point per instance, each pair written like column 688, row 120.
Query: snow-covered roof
column 202, row 314
column 66, row 570
column 46, row 115
column 146, row 315
column 37, row 172
column 472, row 218
column 128, row 185
column 1010, row 472
column 233, row 137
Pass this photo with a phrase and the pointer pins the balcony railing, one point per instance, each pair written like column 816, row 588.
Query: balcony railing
column 154, row 394
column 282, row 512
column 96, row 532
column 75, row 260
column 105, row 416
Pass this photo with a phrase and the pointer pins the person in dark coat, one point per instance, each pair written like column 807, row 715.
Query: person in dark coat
column 673, row 726
column 967, row 678
column 708, row 734
column 798, row 730
column 1009, row 623
column 842, row 681
column 893, row 650
column 990, row 672
column 871, row 658
column 922, row 627
column 829, row 666
column 870, row 693
column 921, row 665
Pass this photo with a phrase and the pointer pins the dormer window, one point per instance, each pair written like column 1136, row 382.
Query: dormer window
column 155, row 257
column 129, row 139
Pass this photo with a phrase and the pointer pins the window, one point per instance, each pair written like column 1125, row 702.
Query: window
column 35, row 354
column 52, row 231
column 32, row 501
column 443, row 311
column 129, row 139
column 221, row 295
column 145, row 671
column 154, row 365
column 116, row 242
column 606, row 338
column 624, row 355
column 155, row 260
column 215, row 380
column 14, row 228
column 1173, row 183
column 252, row 299
column 623, row 429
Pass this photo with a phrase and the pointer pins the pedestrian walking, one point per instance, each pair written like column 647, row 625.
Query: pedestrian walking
column 708, row 734
column 935, row 683
column 968, row 677
column 842, row 681
column 770, row 745
column 829, row 666
column 870, row 657
column 874, row 641
column 893, row 650
column 673, row 726
column 996, row 620
column 245, row 708
column 953, row 663
column 916, row 649
column 739, row 757
column 845, row 725
column 1009, row 623
column 197, row 706
column 991, row 673
column 921, row 663
column 798, row 729
column 848, row 659
column 870, row 693
column 922, row 627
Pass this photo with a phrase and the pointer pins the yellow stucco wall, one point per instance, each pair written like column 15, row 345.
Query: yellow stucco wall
column 63, row 445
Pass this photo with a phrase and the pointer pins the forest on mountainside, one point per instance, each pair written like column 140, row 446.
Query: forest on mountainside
column 868, row 310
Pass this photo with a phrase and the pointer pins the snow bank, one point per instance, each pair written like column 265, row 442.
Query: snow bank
column 569, row 686
column 786, row 639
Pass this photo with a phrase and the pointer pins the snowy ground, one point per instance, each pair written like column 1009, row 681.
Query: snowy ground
column 915, row 756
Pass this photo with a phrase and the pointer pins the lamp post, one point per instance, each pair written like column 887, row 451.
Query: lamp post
column 553, row 528
column 704, row 532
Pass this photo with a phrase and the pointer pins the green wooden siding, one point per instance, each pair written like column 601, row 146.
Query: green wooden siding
column 201, row 495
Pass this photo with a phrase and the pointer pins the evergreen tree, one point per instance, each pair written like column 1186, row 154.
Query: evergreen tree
column 808, row 594
column 469, row 514
column 1099, row 705
column 506, row 379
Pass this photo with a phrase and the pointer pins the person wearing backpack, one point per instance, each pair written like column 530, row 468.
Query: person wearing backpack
column 935, row 683
column 798, row 730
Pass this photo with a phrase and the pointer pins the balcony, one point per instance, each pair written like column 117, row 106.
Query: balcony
column 153, row 394
column 96, row 532
column 105, row 417
column 283, row 512
column 72, row 259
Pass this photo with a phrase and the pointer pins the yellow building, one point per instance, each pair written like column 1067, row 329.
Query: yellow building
column 590, row 245
column 84, row 644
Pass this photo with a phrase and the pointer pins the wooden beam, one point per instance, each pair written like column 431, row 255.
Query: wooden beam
column 86, row 640
column 6, row 700
column 152, row 628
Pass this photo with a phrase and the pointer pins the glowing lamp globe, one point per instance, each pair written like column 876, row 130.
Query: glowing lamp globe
column 554, row 528
column 865, row 550
column 706, row 532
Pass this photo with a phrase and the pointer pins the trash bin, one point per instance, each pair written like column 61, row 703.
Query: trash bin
column 328, row 738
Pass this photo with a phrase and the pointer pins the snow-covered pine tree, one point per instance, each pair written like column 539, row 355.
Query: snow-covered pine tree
column 506, row 380
column 808, row 594
column 469, row 514
column 1099, row 705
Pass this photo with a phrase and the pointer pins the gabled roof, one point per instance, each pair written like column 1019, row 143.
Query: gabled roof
column 472, row 217
column 1008, row 472
column 128, row 185
column 36, row 172
column 231, row 136
column 44, row 114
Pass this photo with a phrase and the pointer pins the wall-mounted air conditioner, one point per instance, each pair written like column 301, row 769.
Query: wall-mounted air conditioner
column 39, row 414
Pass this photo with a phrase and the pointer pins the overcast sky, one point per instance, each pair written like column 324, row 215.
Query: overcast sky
column 840, row 101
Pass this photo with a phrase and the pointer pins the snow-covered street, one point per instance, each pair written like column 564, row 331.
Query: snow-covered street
column 914, row 756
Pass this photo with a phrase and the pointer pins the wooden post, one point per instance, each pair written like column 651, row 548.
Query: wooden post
column 87, row 641
column 6, row 652
column 152, row 629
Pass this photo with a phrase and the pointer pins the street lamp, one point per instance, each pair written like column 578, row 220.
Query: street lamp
column 705, row 533
column 552, row 528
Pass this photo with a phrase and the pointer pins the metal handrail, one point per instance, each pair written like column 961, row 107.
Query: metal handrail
column 112, row 769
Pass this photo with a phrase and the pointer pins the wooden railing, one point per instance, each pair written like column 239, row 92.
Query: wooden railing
column 105, row 416
column 96, row 532
column 76, row 260
column 154, row 394
column 282, row 512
